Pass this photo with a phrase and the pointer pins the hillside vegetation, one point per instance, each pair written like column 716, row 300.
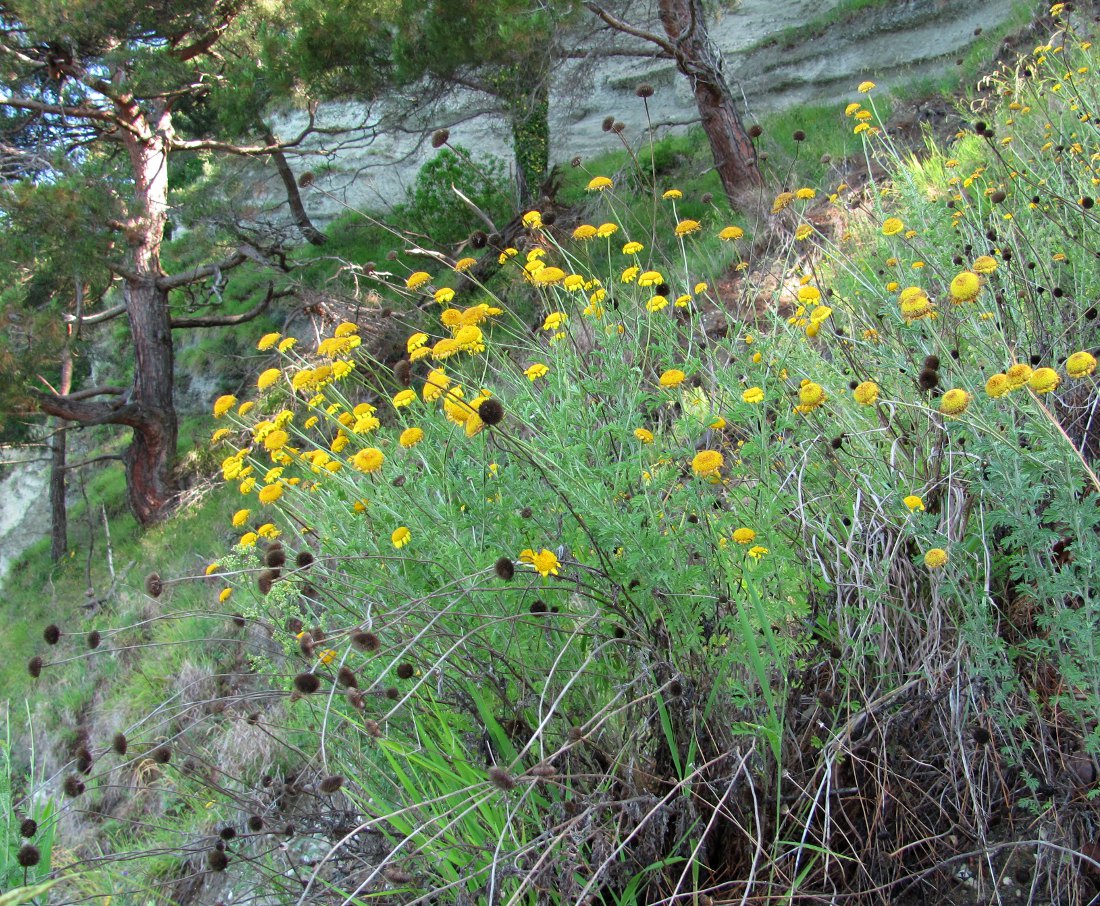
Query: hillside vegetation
column 696, row 555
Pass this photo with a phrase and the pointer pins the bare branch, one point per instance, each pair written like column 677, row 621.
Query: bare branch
column 230, row 320
column 98, row 318
column 95, row 391
column 628, row 29
column 87, row 462
column 183, row 278
column 203, row 144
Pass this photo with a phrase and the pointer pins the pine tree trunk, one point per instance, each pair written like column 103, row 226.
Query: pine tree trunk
column 734, row 155
column 298, row 211
column 59, row 513
column 529, row 112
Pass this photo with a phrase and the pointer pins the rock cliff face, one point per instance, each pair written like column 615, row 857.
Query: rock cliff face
column 24, row 509
column 775, row 55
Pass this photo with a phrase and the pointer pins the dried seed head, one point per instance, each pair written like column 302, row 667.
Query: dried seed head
column 505, row 568
column 275, row 556
column 305, row 180
column 405, row 671
column 402, row 372
column 706, row 197
column 52, row 634
column 756, row 130
column 263, row 582
column 217, row 860
column 83, row 760
column 618, row 127
column 119, row 743
column 538, row 607
column 306, row 645
column 645, row 90
column 94, row 638
column 396, row 875
column 491, row 411
column 345, row 676
column 932, row 361
column 576, row 161
column 28, row 855
column 439, row 137
column 255, row 824
column 306, row 683
column 608, row 123
column 238, row 620
column 479, row 239
column 73, row 786
column 331, row 784
column 501, row 779
column 928, row 379
column 154, row 585
column 799, row 135
column 34, row 667
column 304, row 560
column 392, row 693
column 373, row 729
column 366, row 641
column 28, row 827
column 228, row 832
column 293, row 625
column 355, row 699
column 161, row 754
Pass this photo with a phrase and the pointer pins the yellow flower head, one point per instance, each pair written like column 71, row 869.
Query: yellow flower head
column 1044, row 380
column 548, row 276
column 672, row 194
column 707, row 463
column 965, row 287
column 532, row 220
column 554, row 321
column 954, row 402
column 536, row 371
column 418, row 279
column 270, row 493
column 914, row 502
column 1080, row 364
column 753, row 395
column 632, row 248
column 369, row 460
column 644, row 435
column 584, row 231
column 744, row 536
column 1018, row 375
column 267, row 341
column 267, row 378
column 650, row 278
column 866, row 394
column 464, row 264
column 810, row 396
column 400, row 537
column 629, row 275
column 545, row 562
column 686, row 227
column 986, row 264
column 443, row 295
column 410, row 437
column 241, row 517
column 997, row 385
column 404, row 398
column 599, row 183
column 728, row 234
column 809, row 295
column 674, row 377
column 864, row 87
column 892, row 226
column 607, row 229
column 223, row 404
column 935, row 558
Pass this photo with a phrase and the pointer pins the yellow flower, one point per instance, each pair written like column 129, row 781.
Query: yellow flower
column 986, row 264
column 997, row 385
column 267, row 378
column 418, row 279
column 852, row 108
column 223, row 404
column 536, row 371
column 954, row 402
column 781, row 201
column 276, row 440
column 805, row 194
column 965, row 287
column 241, row 517
column 809, row 295
column 554, row 321
column 1018, row 375
column 464, row 264
column 267, row 341
column 573, row 283
column 630, row 273
column 866, row 394
column 707, row 463
column 914, row 502
column 548, row 276
column 369, row 460
column 270, row 493
column 288, row 343
column 532, row 220
column 607, row 229
column 1044, row 380
column 444, row 349
column 224, row 594
column 506, row 254
column 404, row 398
column 443, row 295
column 757, row 551
column 1080, row 364
column 810, row 396
column 672, row 194
column 345, row 329
column 674, row 377
column 400, row 537
column 599, row 183
column 644, row 435
column 892, row 226
column 632, row 248
column 682, row 301
column 650, row 278
column 687, row 227
column 545, row 562
column 864, row 87
column 744, row 536
column 416, row 341
column 656, row 303
column 248, row 539
column 584, row 231
column 753, row 395
column 728, row 234
column 268, row 530
column 803, row 231
column 435, row 383
column 410, row 437
column 327, row 656
column 935, row 558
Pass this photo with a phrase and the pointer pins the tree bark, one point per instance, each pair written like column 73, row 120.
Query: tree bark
column 293, row 197
column 528, row 115
column 59, row 513
column 697, row 58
